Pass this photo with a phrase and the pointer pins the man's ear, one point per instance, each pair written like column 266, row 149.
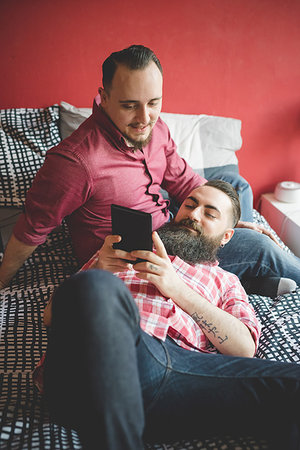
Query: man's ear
column 227, row 236
column 103, row 96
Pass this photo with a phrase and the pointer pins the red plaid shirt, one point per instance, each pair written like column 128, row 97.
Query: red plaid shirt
column 160, row 316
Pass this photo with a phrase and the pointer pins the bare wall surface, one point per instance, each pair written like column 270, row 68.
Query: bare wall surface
column 233, row 58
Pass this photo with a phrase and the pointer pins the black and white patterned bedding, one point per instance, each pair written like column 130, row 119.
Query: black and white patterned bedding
column 25, row 136
column 24, row 420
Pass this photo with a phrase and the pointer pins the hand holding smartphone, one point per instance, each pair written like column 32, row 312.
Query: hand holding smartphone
column 135, row 228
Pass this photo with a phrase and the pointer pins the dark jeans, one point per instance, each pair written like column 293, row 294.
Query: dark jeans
column 119, row 386
column 250, row 254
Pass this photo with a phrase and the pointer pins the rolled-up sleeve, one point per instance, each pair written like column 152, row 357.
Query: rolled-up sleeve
column 237, row 304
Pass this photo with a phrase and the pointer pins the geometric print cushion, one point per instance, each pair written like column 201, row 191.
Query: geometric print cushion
column 23, row 415
column 280, row 319
column 25, row 136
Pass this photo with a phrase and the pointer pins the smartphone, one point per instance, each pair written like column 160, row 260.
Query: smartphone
column 135, row 228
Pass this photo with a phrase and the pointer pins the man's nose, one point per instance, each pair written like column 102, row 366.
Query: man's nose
column 143, row 115
column 196, row 215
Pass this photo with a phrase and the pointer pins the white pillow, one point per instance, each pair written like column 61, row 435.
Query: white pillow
column 203, row 141
column 71, row 117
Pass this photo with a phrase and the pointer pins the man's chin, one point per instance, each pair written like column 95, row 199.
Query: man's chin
column 138, row 143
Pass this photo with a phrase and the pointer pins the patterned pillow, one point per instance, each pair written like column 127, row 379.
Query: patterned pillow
column 25, row 136
column 280, row 319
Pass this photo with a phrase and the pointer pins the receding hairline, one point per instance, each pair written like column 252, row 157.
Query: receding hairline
column 130, row 70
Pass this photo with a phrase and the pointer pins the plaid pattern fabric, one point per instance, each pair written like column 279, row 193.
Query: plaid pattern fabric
column 280, row 320
column 160, row 316
column 25, row 136
column 24, row 419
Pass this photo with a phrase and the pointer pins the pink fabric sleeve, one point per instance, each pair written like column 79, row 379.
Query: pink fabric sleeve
column 49, row 201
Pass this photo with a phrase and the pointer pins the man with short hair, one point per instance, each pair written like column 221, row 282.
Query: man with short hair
column 163, row 349
column 124, row 154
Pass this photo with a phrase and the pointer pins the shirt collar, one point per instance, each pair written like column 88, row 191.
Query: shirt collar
column 179, row 262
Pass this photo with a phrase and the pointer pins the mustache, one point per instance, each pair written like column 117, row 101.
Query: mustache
column 139, row 124
column 190, row 224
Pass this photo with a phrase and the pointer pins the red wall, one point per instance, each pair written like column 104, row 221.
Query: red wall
column 237, row 58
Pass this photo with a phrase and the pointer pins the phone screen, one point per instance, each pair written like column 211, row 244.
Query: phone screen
column 135, row 228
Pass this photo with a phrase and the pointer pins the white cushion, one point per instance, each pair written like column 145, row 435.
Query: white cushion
column 203, row 141
column 71, row 117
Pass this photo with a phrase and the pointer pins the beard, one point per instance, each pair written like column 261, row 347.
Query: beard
column 138, row 144
column 190, row 247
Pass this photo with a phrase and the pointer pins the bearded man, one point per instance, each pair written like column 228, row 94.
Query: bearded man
column 163, row 348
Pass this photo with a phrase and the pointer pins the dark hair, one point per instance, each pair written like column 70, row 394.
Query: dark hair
column 134, row 57
column 229, row 190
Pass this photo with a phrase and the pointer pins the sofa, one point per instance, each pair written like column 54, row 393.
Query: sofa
column 209, row 144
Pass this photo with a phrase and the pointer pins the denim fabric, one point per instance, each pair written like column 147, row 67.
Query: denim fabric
column 91, row 379
column 203, row 395
column 251, row 254
column 103, row 375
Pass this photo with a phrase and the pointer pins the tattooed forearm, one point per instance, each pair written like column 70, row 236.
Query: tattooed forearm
column 208, row 327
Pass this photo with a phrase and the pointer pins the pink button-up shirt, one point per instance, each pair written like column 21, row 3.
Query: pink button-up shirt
column 93, row 168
